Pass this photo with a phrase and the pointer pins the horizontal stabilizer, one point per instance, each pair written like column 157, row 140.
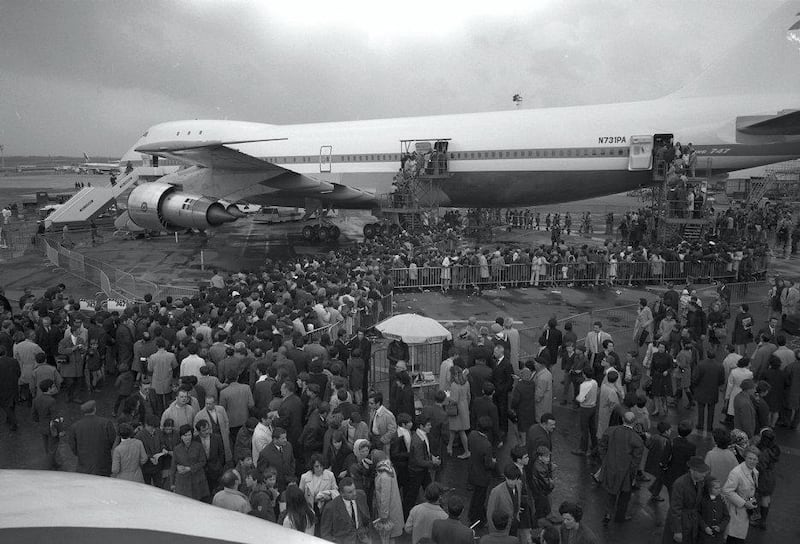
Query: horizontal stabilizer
column 782, row 124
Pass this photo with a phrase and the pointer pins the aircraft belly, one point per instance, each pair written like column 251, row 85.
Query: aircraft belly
column 502, row 189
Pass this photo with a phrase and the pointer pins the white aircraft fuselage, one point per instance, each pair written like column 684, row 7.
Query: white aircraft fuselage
column 496, row 159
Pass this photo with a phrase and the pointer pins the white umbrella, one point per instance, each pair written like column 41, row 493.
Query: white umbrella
column 413, row 329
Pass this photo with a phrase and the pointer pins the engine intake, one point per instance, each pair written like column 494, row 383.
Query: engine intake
column 160, row 206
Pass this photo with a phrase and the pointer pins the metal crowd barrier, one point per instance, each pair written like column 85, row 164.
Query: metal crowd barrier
column 569, row 274
column 111, row 281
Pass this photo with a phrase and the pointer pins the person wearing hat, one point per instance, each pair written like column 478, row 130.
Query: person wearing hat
column 744, row 410
column 621, row 449
column 91, row 439
column 682, row 523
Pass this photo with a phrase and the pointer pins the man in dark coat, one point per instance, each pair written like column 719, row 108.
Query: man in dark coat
column 124, row 342
column 47, row 337
column 91, row 439
column 744, row 410
column 479, row 373
column 278, row 454
column 347, row 516
column 682, row 523
column 552, row 340
column 215, row 453
column 479, row 471
column 621, row 449
column 707, row 378
column 484, row 406
column 290, row 414
column 440, row 430
column 451, row 530
column 503, row 378
column 9, row 378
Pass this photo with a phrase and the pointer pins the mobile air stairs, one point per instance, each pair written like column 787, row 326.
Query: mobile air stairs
column 90, row 202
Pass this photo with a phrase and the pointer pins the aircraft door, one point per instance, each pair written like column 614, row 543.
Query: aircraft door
column 325, row 158
column 640, row 155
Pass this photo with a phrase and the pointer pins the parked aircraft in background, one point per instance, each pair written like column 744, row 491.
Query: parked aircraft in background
column 90, row 167
column 739, row 113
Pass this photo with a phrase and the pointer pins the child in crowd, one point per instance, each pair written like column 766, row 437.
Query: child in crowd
column 714, row 516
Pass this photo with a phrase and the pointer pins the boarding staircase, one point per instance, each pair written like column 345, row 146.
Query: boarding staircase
column 90, row 202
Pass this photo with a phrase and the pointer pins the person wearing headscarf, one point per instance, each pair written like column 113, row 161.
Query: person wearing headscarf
column 387, row 505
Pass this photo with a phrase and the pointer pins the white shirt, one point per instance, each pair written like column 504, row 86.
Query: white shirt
column 352, row 509
column 262, row 437
column 191, row 366
column 587, row 394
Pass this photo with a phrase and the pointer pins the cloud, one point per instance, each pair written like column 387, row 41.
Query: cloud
column 91, row 76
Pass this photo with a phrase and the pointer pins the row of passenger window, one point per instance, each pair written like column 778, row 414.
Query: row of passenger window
column 467, row 155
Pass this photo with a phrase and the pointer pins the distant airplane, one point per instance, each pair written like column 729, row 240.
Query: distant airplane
column 90, row 167
column 739, row 113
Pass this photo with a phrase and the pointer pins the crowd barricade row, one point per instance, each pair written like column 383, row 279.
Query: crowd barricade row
column 571, row 274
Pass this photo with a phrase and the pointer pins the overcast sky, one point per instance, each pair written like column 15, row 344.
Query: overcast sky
column 91, row 76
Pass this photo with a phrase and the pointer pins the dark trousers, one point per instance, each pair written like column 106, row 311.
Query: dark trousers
column 235, row 432
column 618, row 505
column 152, row 476
column 477, row 507
column 51, row 451
column 502, row 412
column 588, row 428
column 118, row 403
column 709, row 410
column 9, row 406
column 72, row 386
column 416, row 479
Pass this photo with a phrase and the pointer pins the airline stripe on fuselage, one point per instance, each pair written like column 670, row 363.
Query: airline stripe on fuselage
column 543, row 153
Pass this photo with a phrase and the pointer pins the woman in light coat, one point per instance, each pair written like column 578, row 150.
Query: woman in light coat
column 608, row 401
column 740, row 494
column 128, row 457
column 460, row 396
column 387, row 506
column 318, row 485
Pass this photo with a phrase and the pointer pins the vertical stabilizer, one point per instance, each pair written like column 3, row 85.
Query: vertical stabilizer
column 766, row 61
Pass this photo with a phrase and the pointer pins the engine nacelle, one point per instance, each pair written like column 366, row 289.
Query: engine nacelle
column 160, row 206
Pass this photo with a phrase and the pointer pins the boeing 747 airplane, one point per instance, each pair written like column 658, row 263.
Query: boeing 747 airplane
column 739, row 113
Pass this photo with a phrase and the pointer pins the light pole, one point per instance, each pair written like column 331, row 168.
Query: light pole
column 2, row 159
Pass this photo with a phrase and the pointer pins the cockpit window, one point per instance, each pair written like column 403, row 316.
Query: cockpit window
column 145, row 134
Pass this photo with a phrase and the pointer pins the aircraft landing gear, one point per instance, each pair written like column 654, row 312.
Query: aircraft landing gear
column 321, row 233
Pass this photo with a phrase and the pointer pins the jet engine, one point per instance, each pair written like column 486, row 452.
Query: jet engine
column 160, row 206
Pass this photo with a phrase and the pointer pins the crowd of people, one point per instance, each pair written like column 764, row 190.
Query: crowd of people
column 233, row 397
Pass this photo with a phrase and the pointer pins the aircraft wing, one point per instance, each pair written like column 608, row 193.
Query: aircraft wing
column 287, row 183
column 212, row 154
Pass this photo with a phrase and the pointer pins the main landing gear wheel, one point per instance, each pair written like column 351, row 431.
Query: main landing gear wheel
column 308, row 233
column 369, row 230
column 324, row 234
column 334, row 233
column 381, row 229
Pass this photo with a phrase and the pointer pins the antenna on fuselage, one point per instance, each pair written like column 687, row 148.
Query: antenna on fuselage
column 517, row 99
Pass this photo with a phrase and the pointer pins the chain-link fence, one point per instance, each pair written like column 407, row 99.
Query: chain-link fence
column 110, row 281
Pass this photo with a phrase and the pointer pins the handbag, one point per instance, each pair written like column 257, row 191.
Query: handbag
column 451, row 409
column 643, row 337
